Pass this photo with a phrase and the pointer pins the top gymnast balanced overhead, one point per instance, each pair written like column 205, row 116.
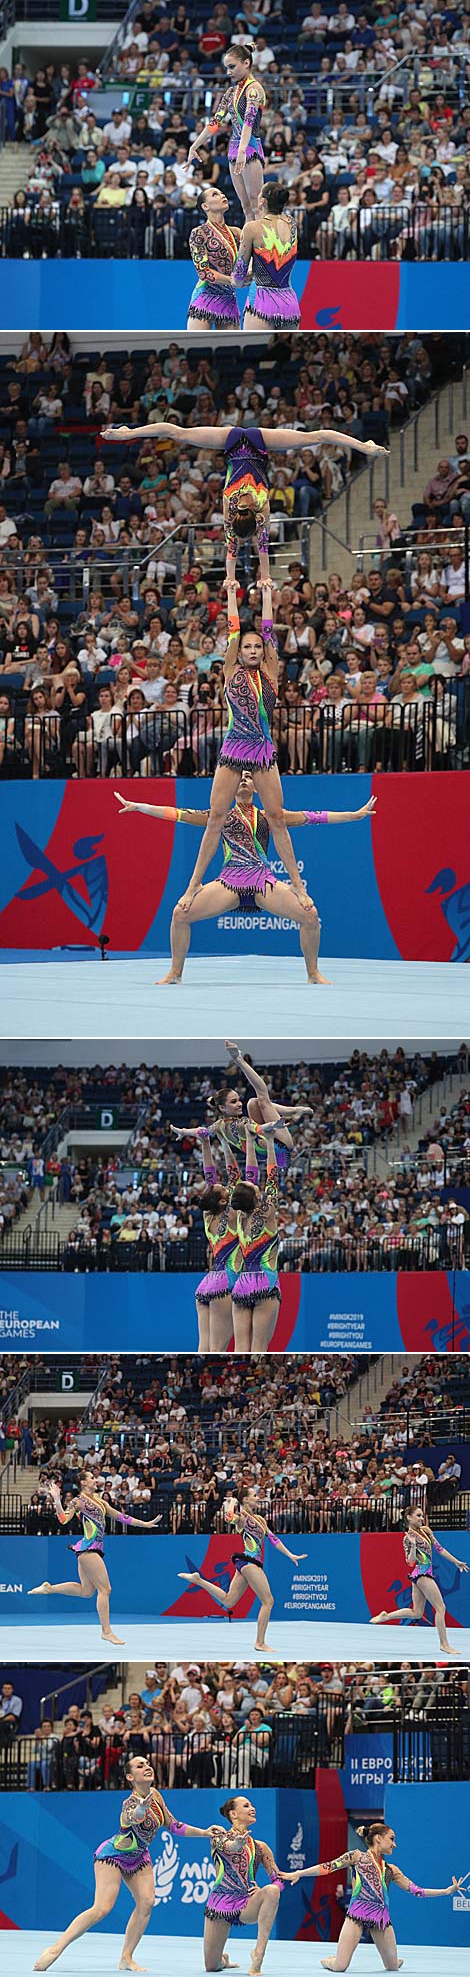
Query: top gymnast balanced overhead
column 242, row 105
column 247, row 449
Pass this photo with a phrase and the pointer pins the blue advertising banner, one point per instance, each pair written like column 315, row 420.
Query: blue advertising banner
column 431, row 1825
column 345, row 1578
column 422, row 1311
column 155, row 295
column 367, row 1770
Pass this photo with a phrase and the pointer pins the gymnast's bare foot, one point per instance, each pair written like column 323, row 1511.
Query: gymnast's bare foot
column 127, row 1963
column 376, row 1618
column 172, row 977
column 319, row 981
column 227, row 1965
column 44, row 1961
column 45, row 1588
column 328, row 1963
column 192, row 1577
column 115, row 1638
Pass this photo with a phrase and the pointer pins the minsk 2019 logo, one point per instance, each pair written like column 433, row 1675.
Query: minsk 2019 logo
column 196, row 1878
column 83, row 887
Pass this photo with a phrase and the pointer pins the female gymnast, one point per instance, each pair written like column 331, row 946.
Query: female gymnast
column 267, row 255
column 249, row 1564
column 92, row 1573
column 418, row 1544
column 214, row 1293
column 142, row 1816
column 242, row 105
column 247, row 449
column 256, row 1292
column 213, row 247
column 234, row 1898
column 368, row 1907
column 246, row 881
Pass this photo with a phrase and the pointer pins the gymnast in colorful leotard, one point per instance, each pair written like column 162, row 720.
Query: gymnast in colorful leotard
column 248, row 1563
column 214, row 1293
column 234, row 1897
column 213, row 247
column 93, row 1579
column 241, row 105
column 368, row 1907
column 247, row 882
column 418, row 1544
column 266, row 257
column 126, row 1858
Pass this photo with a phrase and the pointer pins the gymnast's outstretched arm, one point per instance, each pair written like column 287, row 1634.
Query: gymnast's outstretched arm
column 164, row 811
column 330, row 816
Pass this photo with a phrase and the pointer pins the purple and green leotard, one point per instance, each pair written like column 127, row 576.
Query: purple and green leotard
column 140, row 1820
column 422, row 1568
column 214, row 249
column 368, row 1902
column 253, row 1532
column 236, row 1858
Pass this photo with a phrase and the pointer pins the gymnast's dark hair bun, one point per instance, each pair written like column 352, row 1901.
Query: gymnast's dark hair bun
column 275, row 198
column 225, row 1810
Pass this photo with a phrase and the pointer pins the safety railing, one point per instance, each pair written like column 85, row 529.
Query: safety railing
column 446, row 1247
column 422, row 232
column 351, row 1507
column 438, row 1746
column 407, row 733
column 232, row 1754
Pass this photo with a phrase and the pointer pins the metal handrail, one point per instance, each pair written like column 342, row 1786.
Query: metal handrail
column 52, row 1696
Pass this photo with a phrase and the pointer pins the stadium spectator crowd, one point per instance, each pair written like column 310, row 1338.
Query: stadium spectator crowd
column 171, row 1437
column 112, row 608
column 142, row 1207
column 206, row 1723
column 366, row 126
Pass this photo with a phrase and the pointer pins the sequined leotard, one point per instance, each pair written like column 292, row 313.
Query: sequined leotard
column 93, row 1513
column 422, row 1567
column 253, row 1531
column 368, row 1904
column 273, row 262
column 236, row 1857
column 220, row 1280
column 245, row 839
column 140, row 1820
column 213, row 248
column 242, row 103
column 257, row 1277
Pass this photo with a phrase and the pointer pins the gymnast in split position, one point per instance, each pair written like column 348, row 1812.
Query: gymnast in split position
column 249, row 1564
column 368, row 1908
column 418, row 1544
column 266, row 255
column 241, row 105
column 126, row 1858
column 93, row 1578
column 247, row 882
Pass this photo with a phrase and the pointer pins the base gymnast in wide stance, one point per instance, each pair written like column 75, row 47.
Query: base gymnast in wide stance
column 93, row 1578
column 266, row 256
column 247, row 882
column 126, row 1858
column 418, row 1544
column 213, row 247
column 368, row 1909
column 248, row 1563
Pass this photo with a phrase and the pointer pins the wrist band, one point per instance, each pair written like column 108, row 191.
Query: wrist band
column 414, row 1890
column 252, row 1174
column 316, row 816
column 176, row 1826
column 210, row 1175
